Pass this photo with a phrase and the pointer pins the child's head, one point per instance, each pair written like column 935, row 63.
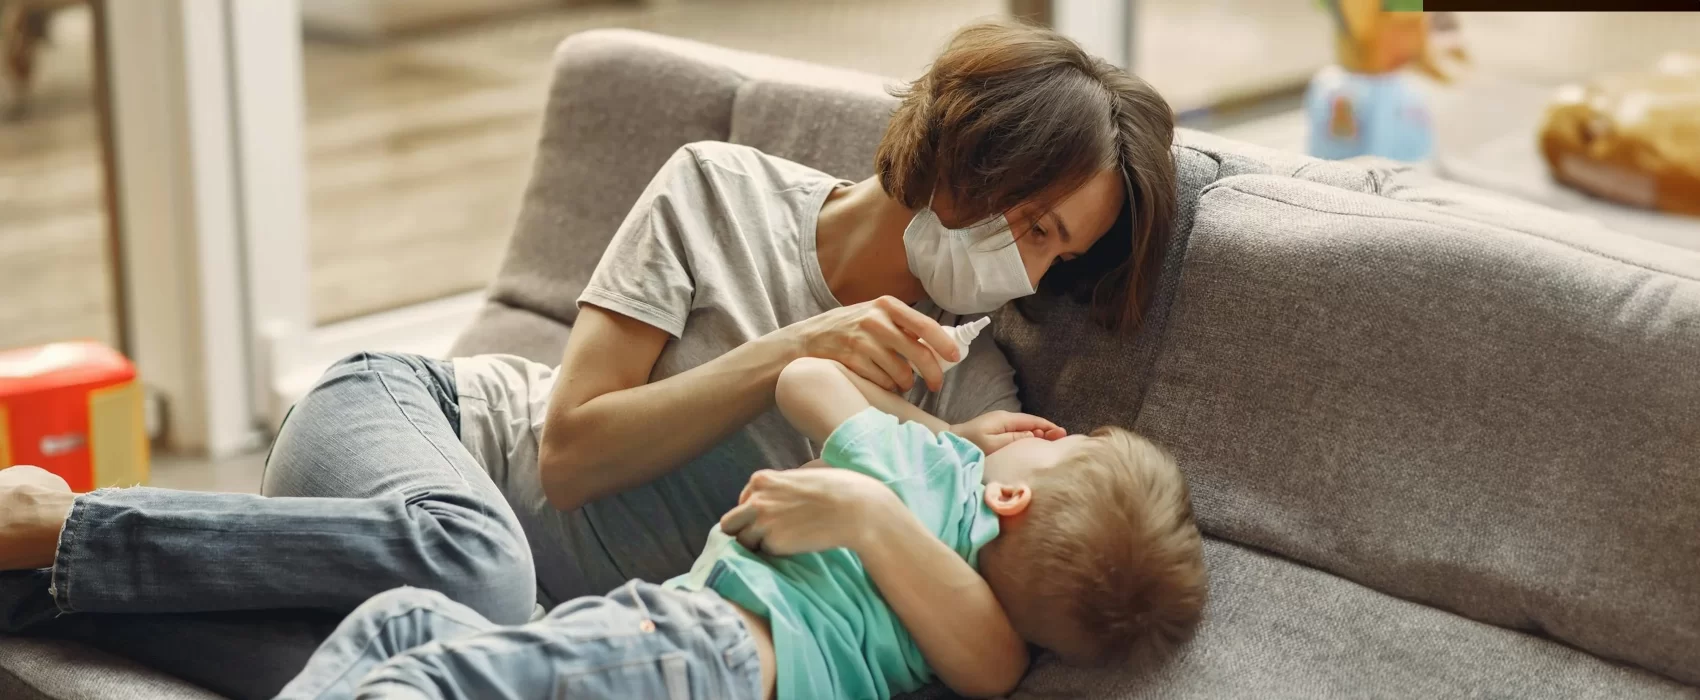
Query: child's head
column 1098, row 559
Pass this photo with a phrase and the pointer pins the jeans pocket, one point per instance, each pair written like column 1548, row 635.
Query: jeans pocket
column 741, row 655
column 665, row 676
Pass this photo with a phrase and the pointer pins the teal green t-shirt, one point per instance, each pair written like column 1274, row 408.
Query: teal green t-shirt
column 833, row 634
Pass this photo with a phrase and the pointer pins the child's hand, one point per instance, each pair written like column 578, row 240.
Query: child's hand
column 992, row 431
column 805, row 510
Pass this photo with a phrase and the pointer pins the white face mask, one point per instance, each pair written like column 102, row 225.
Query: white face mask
column 965, row 271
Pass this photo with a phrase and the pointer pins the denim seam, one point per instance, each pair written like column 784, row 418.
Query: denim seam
column 648, row 659
column 482, row 510
column 383, row 628
column 59, row 582
column 635, row 632
column 446, row 402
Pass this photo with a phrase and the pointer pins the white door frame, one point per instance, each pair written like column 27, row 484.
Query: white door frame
column 173, row 156
column 210, row 152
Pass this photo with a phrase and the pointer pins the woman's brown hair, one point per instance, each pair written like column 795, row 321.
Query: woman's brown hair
column 1011, row 113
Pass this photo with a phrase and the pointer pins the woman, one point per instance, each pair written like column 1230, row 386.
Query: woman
column 1017, row 159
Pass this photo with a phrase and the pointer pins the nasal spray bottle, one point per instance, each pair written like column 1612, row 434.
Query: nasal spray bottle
column 964, row 336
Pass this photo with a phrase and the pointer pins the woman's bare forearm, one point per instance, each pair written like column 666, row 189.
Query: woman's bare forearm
column 621, row 439
column 947, row 608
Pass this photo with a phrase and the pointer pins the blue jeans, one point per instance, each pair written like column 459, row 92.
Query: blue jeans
column 639, row 641
column 368, row 488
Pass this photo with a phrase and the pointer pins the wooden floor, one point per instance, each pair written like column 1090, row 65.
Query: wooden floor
column 419, row 149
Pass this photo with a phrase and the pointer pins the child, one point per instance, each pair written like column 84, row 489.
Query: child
column 1087, row 542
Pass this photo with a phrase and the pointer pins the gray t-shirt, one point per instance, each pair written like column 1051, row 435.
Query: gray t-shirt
column 718, row 251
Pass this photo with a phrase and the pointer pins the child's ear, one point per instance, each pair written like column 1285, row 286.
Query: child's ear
column 1007, row 500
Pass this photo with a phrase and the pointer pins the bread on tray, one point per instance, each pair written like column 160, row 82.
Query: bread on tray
column 1631, row 138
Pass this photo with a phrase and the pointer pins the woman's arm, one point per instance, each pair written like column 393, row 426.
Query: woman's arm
column 608, row 429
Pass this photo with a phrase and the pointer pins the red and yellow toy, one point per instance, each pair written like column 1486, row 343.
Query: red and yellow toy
column 74, row 409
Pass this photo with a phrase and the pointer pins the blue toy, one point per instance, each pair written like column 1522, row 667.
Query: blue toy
column 1367, row 104
column 1359, row 114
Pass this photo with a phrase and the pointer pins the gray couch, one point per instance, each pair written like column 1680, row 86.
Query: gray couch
column 1442, row 443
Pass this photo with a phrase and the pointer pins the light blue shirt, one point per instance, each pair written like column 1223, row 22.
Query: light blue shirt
column 833, row 634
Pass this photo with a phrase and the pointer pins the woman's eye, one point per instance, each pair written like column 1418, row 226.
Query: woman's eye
column 1039, row 231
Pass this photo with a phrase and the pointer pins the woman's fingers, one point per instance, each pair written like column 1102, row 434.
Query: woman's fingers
column 1055, row 434
column 914, row 356
column 867, row 369
column 920, row 325
column 891, row 363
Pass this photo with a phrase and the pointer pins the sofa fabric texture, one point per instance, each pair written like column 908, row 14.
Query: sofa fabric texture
column 1441, row 443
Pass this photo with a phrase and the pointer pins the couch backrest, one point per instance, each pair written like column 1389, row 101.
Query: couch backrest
column 1443, row 394
column 622, row 101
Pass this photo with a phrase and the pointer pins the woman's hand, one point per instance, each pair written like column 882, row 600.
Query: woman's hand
column 806, row 510
column 879, row 340
column 993, row 431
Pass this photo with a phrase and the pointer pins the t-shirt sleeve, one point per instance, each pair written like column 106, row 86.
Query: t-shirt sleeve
column 646, row 271
column 927, row 471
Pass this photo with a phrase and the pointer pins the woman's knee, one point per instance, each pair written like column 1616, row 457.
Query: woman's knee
column 477, row 558
column 336, row 423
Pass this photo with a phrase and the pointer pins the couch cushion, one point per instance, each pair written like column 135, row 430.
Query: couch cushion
column 620, row 103
column 1426, row 400
column 35, row 669
column 615, row 113
column 500, row 328
column 1276, row 629
column 834, row 129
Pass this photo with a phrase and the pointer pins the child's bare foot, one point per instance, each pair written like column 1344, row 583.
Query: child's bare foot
column 33, row 505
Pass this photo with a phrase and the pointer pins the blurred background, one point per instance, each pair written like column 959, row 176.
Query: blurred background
column 292, row 179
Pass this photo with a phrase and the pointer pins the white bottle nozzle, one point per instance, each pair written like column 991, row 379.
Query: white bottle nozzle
column 964, row 336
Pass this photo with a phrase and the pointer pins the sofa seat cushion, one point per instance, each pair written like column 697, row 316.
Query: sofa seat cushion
column 37, row 669
column 1277, row 629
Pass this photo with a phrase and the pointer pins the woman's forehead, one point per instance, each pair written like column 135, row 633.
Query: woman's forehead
column 1090, row 209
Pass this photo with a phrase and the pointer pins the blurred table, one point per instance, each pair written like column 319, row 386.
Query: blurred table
column 1488, row 138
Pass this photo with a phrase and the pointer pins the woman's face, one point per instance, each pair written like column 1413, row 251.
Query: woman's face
column 1068, row 230
column 1071, row 227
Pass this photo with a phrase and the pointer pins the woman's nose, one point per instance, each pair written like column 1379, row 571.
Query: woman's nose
column 1036, row 272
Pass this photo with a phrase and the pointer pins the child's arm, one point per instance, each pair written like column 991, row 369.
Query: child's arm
column 953, row 616
column 816, row 395
column 947, row 608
